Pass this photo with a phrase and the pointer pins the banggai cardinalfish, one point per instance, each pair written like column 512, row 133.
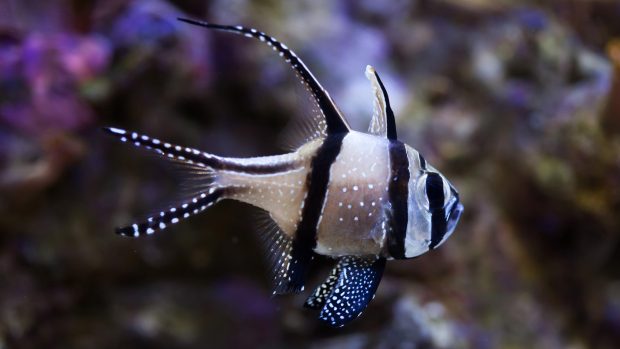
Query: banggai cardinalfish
column 360, row 198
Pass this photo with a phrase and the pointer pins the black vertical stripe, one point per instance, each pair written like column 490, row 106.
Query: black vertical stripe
column 422, row 162
column 317, row 183
column 398, row 194
column 435, row 195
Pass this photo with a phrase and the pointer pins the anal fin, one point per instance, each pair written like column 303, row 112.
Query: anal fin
column 347, row 291
column 288, row 265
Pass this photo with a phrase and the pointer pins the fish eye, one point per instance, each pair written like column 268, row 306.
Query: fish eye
column 433, row 191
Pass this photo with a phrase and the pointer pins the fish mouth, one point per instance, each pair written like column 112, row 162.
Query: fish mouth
column 455, row 214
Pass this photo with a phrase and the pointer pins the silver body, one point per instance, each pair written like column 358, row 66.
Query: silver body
column 355, row 214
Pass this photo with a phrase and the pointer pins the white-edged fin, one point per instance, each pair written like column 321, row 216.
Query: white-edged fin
column 329, row 119
column 162, row 219
column 279, row 248
column 172, row 152
column 382, row 123
column 358, row 279
column 319, row 296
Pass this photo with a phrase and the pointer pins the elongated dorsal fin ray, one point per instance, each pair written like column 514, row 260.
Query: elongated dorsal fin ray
column 383, row 123
column 348, row 289
column 333, row 121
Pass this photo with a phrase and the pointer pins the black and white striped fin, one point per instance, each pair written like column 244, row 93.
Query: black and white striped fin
column 319, row 296
column 169, row 151
column 383, row 123
column 283, row 266
column 358, row 279
column 332, row 120
column 163, row 219
column 193, row 157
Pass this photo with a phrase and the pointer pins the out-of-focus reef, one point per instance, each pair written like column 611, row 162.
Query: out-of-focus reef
column 517, row 102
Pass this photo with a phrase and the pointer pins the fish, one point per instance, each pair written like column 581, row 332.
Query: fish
column 359, row 198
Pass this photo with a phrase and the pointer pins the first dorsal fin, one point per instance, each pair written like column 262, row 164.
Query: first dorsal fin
column 383, row 123
column 333, row 122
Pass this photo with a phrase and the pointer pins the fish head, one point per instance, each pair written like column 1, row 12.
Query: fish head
column 434, row 207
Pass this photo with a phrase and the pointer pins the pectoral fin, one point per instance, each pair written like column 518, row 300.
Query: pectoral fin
column 347, row 291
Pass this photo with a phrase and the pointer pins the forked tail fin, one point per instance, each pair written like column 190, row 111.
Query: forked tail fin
column 200, row 166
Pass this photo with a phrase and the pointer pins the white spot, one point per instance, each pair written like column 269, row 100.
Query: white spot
column 370, row 186
column 123, row 139
column 144, row 138
column 355, row 187
column 174, row 220
column 118, row 131
column 167, row 145
column 344, row 190
column 155, row 141
column 134, row 135
column 149, row 231
column 362, row 203
column 162, row 225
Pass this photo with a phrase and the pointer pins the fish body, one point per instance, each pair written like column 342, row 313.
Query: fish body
column 361, row 198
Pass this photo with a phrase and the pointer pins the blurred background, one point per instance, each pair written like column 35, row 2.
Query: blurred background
column 517, row 102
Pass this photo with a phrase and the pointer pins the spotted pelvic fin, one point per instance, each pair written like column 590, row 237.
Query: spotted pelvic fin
column 383, row 123
column 329, row 119
column 348, row 289
column 319, row 296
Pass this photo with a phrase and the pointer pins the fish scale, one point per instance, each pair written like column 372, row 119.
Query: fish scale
column 361, row 198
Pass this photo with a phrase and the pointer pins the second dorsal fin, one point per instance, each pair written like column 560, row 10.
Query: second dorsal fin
column 333, row 121
column 383, row 123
